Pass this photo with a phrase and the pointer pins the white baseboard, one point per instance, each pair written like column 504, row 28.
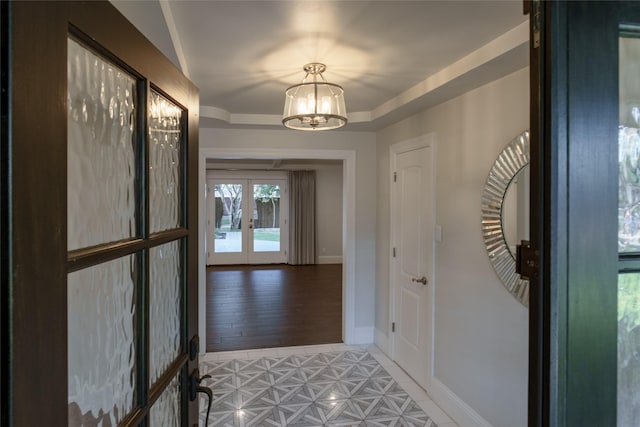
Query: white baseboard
column 362, row 335
column 330, row 259
column 457, row 409
column 382, row 341
column 446, row 399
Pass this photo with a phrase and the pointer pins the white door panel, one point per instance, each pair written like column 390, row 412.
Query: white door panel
column 410, row 230
column 410, row 330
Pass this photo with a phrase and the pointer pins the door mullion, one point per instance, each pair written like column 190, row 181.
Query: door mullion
column 247, row 219
column 142, row 332
column 169, row 374
column 143, row 335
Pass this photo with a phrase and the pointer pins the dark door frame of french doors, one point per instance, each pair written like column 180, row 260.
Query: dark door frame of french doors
column 35, row 263
column 4, row 214
column 574, row 157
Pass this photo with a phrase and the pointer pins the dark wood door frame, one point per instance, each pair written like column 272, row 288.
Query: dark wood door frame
column 573, row 328
column 4, row 213
column 538, row 206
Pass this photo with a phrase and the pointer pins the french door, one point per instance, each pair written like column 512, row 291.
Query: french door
column 103, row 148
column 247, row 220
column 587, row 305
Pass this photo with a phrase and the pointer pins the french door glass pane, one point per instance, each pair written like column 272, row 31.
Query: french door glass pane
column 101, row 335
column 266, row 218
column 628, row 412
column 101, row 188
column 628, row 349
column 165, row 147
column 164, row 306
column 166, row 410
column 228, row 218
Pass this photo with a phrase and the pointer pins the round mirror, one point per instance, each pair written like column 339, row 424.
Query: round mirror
column 505, row 213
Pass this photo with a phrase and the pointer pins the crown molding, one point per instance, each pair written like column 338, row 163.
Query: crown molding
column 493, row 51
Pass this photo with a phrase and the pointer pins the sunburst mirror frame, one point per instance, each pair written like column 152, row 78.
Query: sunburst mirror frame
column 510, row 161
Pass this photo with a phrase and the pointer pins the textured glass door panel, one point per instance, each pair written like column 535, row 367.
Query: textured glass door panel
column 266, row 218
column 165, row 285
column 166, row 410
column 228, row 218
column 101, row 168
column 165, row 165
column 101, row 321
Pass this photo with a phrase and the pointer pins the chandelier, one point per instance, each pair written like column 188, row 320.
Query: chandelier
column 314, row 104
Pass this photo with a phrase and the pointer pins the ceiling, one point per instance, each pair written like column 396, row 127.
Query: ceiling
column 393, row 58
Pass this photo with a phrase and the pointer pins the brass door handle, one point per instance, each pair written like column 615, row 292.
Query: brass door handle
column 423, row 280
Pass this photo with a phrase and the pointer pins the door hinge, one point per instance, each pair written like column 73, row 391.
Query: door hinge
column 394, row 252
column 536, row 14
column 393, row 326
column 526, row 260
column 395, row 177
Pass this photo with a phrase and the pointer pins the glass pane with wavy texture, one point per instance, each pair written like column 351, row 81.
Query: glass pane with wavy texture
column 165, row 163
column 166, row 410
column 101, row 342
column 101, row 178
column 165, row 284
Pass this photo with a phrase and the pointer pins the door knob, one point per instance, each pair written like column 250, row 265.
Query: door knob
column 423, row 280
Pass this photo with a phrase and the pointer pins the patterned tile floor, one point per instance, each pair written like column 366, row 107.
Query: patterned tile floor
column 325, row 385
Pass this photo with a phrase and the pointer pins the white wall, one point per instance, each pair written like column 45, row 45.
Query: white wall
column 329, row 217
column 480, row 330
column 363, row 145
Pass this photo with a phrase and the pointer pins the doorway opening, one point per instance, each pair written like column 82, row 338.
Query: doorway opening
column 343, row 164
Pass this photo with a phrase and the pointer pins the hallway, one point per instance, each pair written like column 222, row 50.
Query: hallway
column 263, row 306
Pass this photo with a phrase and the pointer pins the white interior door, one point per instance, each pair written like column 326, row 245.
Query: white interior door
column 412, row 266
column 247, row 220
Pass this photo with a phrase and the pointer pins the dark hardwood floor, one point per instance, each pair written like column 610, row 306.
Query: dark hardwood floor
column 273, row 306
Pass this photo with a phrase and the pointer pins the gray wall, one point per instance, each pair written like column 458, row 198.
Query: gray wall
column 329, row 199
column 480, row 341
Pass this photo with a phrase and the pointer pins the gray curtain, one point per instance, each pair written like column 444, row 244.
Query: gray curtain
column 302, row 217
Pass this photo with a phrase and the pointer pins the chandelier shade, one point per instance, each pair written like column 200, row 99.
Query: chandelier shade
column 314, row 105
